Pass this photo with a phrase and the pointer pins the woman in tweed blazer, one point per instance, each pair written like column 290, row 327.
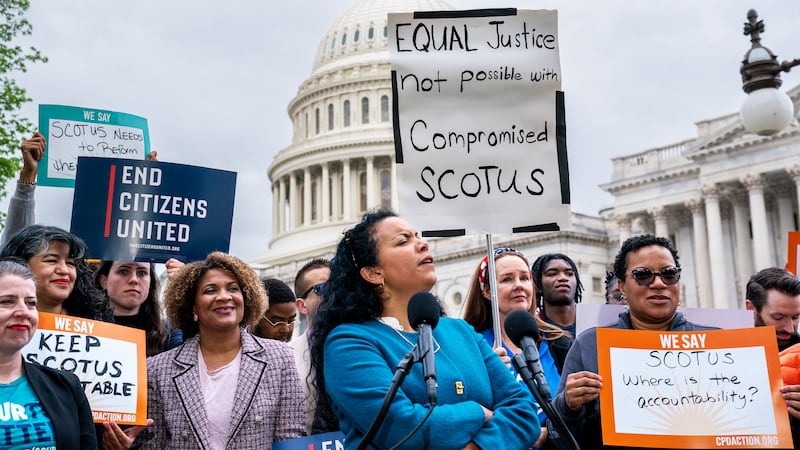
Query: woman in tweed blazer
column 222, row 388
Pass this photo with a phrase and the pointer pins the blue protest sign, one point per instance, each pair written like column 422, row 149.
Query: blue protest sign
column 72, row 132
column 326, row 441
column 152, row 211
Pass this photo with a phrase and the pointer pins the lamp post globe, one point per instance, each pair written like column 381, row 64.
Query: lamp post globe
column 766, row 110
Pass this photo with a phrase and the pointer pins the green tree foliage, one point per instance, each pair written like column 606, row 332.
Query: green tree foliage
column 13, row 60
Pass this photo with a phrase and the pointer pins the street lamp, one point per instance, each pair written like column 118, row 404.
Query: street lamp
column 766, row 110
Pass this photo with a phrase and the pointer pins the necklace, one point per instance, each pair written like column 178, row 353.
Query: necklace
column 394, row 324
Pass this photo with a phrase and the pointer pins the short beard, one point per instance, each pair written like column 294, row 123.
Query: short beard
column 559, row 301
column 782, row 343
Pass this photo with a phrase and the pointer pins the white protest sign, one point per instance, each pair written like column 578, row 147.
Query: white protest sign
column 704, row 389
column 478, row 121
column 108, row 359
column 71, row 132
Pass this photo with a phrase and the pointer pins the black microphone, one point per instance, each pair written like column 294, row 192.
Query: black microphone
column 523, row 331
column 423, row 315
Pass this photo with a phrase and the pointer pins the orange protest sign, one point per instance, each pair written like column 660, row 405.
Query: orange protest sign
column 707, row 389
column 108, row 359
column 794, row 242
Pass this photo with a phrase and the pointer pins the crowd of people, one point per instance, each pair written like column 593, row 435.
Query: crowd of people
column 227, row 369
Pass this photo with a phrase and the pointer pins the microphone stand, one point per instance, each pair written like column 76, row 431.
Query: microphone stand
column 558, row 422
column 403, row 367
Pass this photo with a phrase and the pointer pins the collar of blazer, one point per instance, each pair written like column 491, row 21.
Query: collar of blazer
column 186, row 354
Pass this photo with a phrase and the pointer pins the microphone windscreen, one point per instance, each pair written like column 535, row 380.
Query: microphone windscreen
column 423, row 308
column 520, row 323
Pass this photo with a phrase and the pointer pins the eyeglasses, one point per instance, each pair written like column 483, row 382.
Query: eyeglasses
column 645, row 277
column 281, row 323
column 317, row 288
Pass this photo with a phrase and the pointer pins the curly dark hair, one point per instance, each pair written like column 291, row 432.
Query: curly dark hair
column 348, row 299
column 150, row 312
column 538, row 269
column 179, row 299
column 635, row 243
column 85, row 300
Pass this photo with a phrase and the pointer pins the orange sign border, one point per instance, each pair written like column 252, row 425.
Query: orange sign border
column 118, row 332
column 638, row 339
column 794, row 242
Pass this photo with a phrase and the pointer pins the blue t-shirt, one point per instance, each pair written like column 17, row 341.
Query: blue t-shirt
column 24, row 424
column 548, row 367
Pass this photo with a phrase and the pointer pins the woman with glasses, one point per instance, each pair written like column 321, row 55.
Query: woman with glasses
column 278, row 322
column 648, row 274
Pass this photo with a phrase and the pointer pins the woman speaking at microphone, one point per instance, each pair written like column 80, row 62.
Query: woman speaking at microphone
column 363, row 330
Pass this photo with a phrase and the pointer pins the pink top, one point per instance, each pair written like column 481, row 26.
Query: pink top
column 218, row 387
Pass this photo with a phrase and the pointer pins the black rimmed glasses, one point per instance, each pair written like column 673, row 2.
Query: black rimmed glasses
column 317, row 288
column 281, row 323
column 645, row 277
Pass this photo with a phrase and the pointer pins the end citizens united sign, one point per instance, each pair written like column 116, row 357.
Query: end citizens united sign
column 151, row 210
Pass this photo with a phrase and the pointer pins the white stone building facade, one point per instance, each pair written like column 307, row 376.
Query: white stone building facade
column 726, row 197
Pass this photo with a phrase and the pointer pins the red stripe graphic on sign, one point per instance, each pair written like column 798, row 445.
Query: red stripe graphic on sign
column 110, row 200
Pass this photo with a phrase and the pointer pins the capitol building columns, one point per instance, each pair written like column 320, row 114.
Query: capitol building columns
column 326, row 193
column 306, row 197
column 744, row 246
column 346, row 188
column 659, row 215
column 370, row 181
column 737, row 227
column 281, row 204
column 716, row 253
column 330, row 192
column 794, row 173
column 701, row 257
column 762, row 242
column 624, row 225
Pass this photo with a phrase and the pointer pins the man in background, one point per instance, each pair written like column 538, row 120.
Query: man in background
column 773, row 295
column 279, row 320
column 308, row 284
column 558, row 289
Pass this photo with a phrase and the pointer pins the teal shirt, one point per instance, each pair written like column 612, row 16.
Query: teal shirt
column 23, row 422
column 360, row 361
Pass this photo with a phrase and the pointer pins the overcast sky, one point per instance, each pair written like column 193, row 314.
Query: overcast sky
column 214, row 79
